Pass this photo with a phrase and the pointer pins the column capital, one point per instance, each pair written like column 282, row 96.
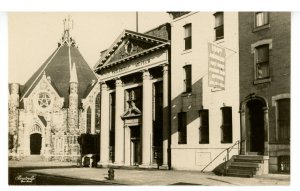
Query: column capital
column 103, row 86
column 146, row 75
column 118, row 82
column 165, row 67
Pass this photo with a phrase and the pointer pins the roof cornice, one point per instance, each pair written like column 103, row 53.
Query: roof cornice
column 125, row 34
column 134, row 56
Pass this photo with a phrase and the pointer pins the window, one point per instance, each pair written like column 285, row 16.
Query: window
column 97, row 112
column 112, row 114
column 88, row 120
column 283, row 119
column 182, row 128
column 226, row 127
column 219, row 25
column 261, row 19
column 187, row 36
column 262, row 61
column 44, row 100
column 133, row 99
column 204, row 127
column 284, row 164
column 187, row 81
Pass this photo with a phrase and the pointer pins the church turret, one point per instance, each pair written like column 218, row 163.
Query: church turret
column 73, row 100
column 73, row 111
column 13, row 116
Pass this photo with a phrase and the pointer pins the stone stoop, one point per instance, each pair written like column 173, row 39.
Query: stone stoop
column 33, row 158
column 246, row 166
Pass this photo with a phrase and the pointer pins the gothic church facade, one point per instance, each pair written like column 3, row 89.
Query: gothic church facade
column 55, row 106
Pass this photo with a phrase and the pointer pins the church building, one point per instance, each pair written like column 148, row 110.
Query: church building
column 58, row 103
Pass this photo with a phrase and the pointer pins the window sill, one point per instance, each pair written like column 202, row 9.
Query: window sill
column 261, row 81
column 226, row 142
column 186, row 94
column 186, row 51
column 280, row 143
column 202, row 143
column 261, row 28
column 219, row 41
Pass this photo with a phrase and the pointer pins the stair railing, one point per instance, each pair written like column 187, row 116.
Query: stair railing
column 226, row 157
column 228, row 150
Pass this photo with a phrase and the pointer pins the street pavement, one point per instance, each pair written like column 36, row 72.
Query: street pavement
column 98, row 176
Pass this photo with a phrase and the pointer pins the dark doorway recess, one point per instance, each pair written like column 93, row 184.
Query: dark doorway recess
column 35, row 144
column 255, row 127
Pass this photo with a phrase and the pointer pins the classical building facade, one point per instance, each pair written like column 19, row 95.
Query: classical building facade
column 264, row 41
column 204, row 89
column 59, row 102
column 134, row 76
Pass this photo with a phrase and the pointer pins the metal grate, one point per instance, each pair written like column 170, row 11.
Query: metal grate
column 284, row 164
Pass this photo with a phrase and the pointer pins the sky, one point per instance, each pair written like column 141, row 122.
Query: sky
column 33, row 37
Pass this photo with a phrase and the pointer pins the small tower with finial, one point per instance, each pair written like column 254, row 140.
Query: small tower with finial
column 66, row 36
column 73, row 100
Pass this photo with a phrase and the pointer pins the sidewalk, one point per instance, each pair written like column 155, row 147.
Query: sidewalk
column 164, row 177
column 146, row 177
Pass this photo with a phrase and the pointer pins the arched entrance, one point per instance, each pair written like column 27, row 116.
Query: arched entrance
column 35, row 143
column 254, row 126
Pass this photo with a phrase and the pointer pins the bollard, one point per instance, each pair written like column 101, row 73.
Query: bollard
column 111, row 174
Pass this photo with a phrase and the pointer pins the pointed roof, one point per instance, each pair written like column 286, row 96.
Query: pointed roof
column 150, row 42
column 58, row 66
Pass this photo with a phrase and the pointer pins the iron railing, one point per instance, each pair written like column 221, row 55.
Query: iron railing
column 226, row 158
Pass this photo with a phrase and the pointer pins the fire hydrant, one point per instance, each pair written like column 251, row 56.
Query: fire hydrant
column 111, row 174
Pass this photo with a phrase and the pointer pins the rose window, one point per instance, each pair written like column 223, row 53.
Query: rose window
column 44, row 100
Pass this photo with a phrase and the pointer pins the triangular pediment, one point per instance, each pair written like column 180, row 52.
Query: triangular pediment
column 130, row 43
column 130, row 47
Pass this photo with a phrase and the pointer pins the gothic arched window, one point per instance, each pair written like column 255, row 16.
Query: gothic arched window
column 97, row 113
column 88, row 120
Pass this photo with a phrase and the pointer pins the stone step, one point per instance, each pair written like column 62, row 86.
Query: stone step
column 33, row 158
column 248, row 160
column 239, row 171
column 249, row 157
column 254, row 169
column 239, row 175
column 245, row 164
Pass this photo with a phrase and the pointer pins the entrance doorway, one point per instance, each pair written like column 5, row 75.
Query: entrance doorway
column 255, row 127
column 135, row 134
column 35, row 143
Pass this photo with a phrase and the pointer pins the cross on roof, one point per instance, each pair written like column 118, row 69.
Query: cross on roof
column 66, row 36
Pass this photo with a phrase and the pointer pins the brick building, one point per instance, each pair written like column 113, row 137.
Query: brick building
column 264, row 74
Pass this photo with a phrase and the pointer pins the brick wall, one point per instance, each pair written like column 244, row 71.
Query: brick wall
column 279, row 32
column 162, row 31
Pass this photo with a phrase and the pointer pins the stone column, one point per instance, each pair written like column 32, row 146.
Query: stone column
column 147, row 120
column 73, row 107
column 119, row 126
column 104, row 134
column 47, row 142
column 13, row 116
column 266, row 130
column 243, row 132
column 48, row 138
column 166, row 119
